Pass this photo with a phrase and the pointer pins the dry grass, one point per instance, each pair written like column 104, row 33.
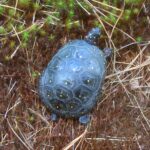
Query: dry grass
column 121, row 120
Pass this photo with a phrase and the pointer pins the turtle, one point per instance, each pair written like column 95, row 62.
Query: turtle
column 71, row 83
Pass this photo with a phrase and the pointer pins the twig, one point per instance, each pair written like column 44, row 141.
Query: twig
column 104, row 4
column 39, row 115
column 83, row 7
column 75, row 140
column 145, row 63
column 7, row 6
column 29, row 148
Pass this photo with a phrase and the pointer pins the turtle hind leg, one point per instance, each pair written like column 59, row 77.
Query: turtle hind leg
column 53, row 117
column 85, row 119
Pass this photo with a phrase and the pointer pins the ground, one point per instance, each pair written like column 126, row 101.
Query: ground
column 121, row 119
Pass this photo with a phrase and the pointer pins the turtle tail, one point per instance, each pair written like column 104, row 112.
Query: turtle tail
column 93, row 35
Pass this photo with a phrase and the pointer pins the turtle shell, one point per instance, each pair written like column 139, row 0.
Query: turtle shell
column 72, row 81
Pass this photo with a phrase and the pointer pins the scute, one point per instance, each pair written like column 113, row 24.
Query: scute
column 73, row 105
column 63, row 93
column 58, row 105
column 90, row 80
column 83, row 94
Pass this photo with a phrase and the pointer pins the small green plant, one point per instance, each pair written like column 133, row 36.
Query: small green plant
column 9, row 25
column 65, row 6
column 112, row 18
column 2, row 30
column 24, row 45
column 11, row 12
column 21, row 27
column 1, row 10
column 71, row 13
column 7, row 58
column 139, row 39
column 51, row 37
column 12, row 44
column 34, row 28
column 42, row 32
column 127, row 14
column 97, row 24
column 24, row 3
column 48, row 2
column 61, row 4
column 31, row 118
column 136, row 10
column 133, row 1
column 36, row 6
column 25, row 36
column 35, row 74
column 69, row 24
column 49, row 20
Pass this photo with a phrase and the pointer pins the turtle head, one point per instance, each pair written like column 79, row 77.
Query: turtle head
column 93, row 35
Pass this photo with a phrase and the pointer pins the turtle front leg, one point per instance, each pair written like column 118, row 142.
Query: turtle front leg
column 107, row 52
column 53, row 117
column 85, row 119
